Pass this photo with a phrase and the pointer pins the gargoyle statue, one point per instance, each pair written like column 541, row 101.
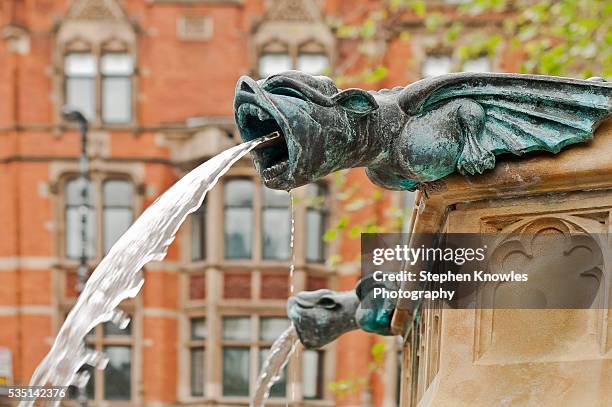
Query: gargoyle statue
column 416, row 134
column 323, row 315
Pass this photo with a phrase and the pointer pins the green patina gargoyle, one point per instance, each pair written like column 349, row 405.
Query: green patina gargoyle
column 416, row 134
column 323, row 315
column 405, row 137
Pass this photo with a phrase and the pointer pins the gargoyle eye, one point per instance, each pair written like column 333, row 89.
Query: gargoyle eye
column 326, row 302
column 284, row 91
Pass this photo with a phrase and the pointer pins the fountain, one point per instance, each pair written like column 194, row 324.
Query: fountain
column 407, row 138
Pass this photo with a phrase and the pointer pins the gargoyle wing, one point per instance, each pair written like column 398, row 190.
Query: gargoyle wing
column 522, row 112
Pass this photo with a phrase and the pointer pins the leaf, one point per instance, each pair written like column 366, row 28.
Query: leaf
column 376, row 75
column 434, row 20
column 419, row 8
column 355, row 232
column 378, row 349
column 330, row 234
column 333, row 260
column 368, row 29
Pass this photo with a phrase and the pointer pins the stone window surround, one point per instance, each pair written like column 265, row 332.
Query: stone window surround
column 307, row 37
column 456, row 62
column 213, row 307
column 294, row 50
column 97, row 38
column 423, row 44
column 99, row 171
column 97, row 180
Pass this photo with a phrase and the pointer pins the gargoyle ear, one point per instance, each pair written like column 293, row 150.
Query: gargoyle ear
column 356, row 101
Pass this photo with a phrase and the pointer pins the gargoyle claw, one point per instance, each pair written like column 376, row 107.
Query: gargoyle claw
column 474, row 159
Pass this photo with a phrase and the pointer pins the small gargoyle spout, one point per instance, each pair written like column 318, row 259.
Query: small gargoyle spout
column 322, row 316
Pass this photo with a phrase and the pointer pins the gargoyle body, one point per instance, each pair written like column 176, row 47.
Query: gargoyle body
column 415, row 134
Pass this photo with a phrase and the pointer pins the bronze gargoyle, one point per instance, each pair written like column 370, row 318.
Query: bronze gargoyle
column 416, row 134
column 323, row 315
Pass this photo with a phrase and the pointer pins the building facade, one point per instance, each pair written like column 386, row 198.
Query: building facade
column 155, row 79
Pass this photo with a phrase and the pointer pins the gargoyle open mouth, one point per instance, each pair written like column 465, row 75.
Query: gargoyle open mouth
column 254, row 122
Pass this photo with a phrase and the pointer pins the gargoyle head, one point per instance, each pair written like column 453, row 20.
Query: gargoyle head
column 318, row 124
column 322, row 316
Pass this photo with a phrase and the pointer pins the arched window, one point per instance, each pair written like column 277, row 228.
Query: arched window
column 312, row 58
column 95, row 44
column 314, row 64
column 274, row 58
column 238, row 202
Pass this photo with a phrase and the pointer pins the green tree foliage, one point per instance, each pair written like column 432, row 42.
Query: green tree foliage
column 556, row 37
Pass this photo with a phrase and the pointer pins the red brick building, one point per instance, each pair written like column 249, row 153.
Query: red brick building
column 156, row 80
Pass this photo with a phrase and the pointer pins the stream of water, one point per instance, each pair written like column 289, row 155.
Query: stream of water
column 119, row 275
column 284, row 346
column 279, row 355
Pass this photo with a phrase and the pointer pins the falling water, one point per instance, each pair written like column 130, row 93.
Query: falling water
column 279, row 355
column 292, row 244
column 119, row 276
column 292, row 287
column 284, row 346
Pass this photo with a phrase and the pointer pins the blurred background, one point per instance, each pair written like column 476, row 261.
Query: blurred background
column 155, row 80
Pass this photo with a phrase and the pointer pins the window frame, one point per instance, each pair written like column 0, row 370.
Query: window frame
column 254, row 208
column 275, row 46
column 106, row 76
column 321, row 360
column 92, row 78
column 254, row 344
column 91, row 206
column 455, row 63
column 324, row 211
column 197, row 343
column 198, row 219
column 96, row 182
column 98, row 51
column 267, row 206
column 106, row 206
